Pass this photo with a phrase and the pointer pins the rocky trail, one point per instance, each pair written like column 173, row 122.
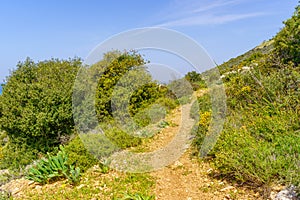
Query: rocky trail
column 188, row 178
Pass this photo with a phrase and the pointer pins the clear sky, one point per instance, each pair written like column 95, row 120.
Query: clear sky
column 66, row 28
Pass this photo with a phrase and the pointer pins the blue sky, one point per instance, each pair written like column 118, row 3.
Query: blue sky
column 63, row 29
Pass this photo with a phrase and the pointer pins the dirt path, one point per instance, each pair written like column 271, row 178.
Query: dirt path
column 188, row 178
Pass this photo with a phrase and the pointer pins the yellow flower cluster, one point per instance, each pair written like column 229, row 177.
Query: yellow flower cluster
column 205, row 118
column 246, row 89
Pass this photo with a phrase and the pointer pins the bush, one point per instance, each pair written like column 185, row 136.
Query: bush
column 16, row 156
column 150, row 115
column 78, row 155
column 201, row 112
column 259, row 143
column 196, row 80
column 184, row 100
column 122, row 139
column 98, row 145
column 145, row 96
column 167, row 103
column 36, row 103
column 180, row 88
column 251, row 150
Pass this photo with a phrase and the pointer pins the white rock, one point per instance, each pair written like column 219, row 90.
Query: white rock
column 287, row 194
column 227, row 188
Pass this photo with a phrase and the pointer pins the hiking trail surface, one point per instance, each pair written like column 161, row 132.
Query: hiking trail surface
column 189, row 178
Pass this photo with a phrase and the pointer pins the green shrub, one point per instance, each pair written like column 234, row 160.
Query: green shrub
column 259, row 144
column 98, row 145
column 203, row 104
column 184, row 100
column 163, row 124
column 150, row 115
column 196, row 80
column 78, row 155
column 36, row 103
column 16, row 156
column 167, row 103
column 180, row 88
column 122, row 139
column 250, row 150
column 145, row 96
column 54, row 168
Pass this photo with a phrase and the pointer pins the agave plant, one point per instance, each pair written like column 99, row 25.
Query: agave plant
column 53, row 168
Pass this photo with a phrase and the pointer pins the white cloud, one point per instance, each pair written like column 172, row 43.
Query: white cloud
column 193, row 12
column 213, row 5
column 208, row 19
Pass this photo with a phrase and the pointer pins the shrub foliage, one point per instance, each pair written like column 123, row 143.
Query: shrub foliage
column 36, row 102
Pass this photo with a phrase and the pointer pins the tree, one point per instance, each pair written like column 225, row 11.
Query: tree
column 193, row 77
column 111, row 75
column 36, row 104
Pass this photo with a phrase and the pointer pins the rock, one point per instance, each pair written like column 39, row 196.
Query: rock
column 30, row 182
column 273, row 195
column 15, row 191
column 80, row 186
column 288, row 193
column 227, row 188
column 38, row 187
column 221, row 183
column 178, row 164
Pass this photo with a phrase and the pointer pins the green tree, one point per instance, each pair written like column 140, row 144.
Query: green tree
column 36, row 103
column 196, row 80
column 116, row 87
column 111, row 74
column 193, row 77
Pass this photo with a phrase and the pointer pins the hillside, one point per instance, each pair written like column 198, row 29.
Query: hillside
column 264, row 48
column 259, row 144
